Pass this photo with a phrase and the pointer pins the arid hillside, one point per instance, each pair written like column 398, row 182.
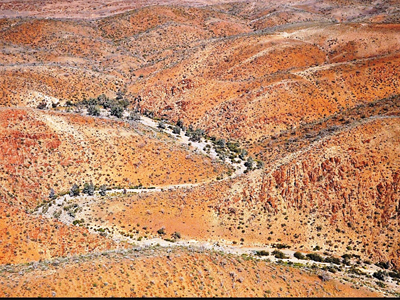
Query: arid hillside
column 177, row 273
column 265, row 133
column 341, row 193
column 26, row 238
column 41, row 151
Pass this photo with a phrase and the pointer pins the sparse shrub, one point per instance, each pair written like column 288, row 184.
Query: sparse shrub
column 176, row 235
column 221, row 143
column 42, row 105
column 124, row 103
column 176, row 130
column 354, row 270
column 260, row 164
column 93, row 110
column 105, row 101
column 161, row 231
column 74, row 190
column 234, row 147
column 262, row 253
column 333, row 260
column 88, row 189
column 380, row 284
column 299, row 255
column 279, row 254
column 161, row 125
column 315, row 257
column 180, row 124
column 281, row 246
column 103, row 190
column 117, row 111
column 134, row 116
column 394, row 274
column 243, row 154
column 380, row 275
column 249, row 163
column 324, row 276
column 57, row 214
column 383, row 265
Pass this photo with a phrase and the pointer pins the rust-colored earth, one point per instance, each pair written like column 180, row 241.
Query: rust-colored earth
column 310, row 89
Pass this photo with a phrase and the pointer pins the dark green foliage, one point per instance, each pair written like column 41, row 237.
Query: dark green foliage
column 330, row 269
column 333, row 260
column 161, row 231
column 299, row 255
column 262, row 253
column 93, row 110
column 176, row 130
column 394, row 274
column 221, row 143
column 354, row 270
column 117, row 111
column 234, row 147
column 105, row 101
column 243, row 154
column 249, row 163
column 379, row 275
column 315, row 257
column 88, row 189
column 279, row 254
column 89, row 102
column 281, row 246
column 195, row 136
column 74, row 190
column 78, row 222
column 346, row 261
column 161, row 125
column 383, row 265
column 103, row 190
column 380, row 284
column 123, row 103
column 180, row 124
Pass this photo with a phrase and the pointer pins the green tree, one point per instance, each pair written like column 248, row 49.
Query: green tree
column 93, row 110
column 249, row 163
column 103, row 190
column 88, row 189
column 74, row 190
column 117, row 111
column 176, row 130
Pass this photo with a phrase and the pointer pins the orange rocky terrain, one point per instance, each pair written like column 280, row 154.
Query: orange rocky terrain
column 266, row 133
column 344, row 201
column 45, row 150
column 177, row 273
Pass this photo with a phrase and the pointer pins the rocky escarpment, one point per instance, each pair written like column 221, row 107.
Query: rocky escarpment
column 341, row 194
